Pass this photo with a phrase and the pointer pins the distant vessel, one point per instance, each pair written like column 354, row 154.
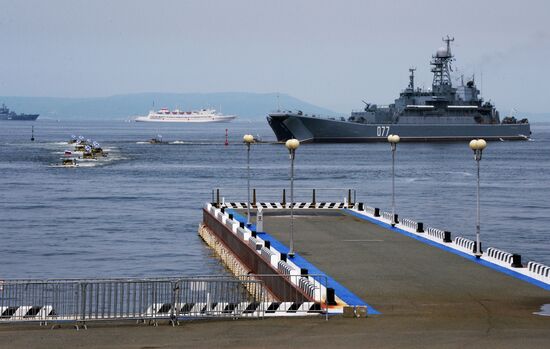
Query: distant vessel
column 442, row 113
column 157, row 140
column 6, row 114
column 203, row 115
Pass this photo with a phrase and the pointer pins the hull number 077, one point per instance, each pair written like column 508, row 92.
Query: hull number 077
column 382, row 131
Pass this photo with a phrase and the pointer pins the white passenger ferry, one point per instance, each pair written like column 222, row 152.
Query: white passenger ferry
column 203, row 115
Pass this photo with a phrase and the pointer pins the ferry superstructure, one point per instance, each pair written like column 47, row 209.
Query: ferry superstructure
column 202, row 115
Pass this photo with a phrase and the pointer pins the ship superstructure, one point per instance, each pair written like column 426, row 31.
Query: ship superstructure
column 443, row 112
column 202, row 115
column 7, row 114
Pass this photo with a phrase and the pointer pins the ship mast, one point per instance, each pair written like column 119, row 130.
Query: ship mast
column 411, row 79
column 441, row 63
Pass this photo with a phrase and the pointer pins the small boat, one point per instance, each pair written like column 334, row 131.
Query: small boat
column 157, row 140
column 69, row 162
column 88, row 156
column 97, row 150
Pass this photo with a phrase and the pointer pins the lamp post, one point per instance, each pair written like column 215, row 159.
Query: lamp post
column 477, row 145
column 248, row 140
column 393, row 139
column 292, row 145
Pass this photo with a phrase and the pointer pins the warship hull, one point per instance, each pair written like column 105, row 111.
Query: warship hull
column 19, row 117
column 317, row 130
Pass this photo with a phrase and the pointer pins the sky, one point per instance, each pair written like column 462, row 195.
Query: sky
column 330, row 53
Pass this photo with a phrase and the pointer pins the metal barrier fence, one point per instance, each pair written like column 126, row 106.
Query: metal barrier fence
column 297, row 294
column 127, row 299
column 282, row 195
column 81, row 301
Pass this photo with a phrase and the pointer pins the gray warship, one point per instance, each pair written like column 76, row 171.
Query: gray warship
column 7, row 114
column 442, row 113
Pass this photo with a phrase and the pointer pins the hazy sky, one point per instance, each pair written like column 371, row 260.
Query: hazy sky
column 331, row 53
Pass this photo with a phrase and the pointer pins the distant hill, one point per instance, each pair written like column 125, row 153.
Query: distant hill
column 120, row 107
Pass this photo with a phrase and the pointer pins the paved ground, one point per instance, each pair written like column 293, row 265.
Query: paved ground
column 406, row 279
column 428, row 298
column 379, row 332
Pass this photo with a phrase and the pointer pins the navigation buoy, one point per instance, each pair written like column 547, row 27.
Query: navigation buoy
column 226, row 140
column 32, row 134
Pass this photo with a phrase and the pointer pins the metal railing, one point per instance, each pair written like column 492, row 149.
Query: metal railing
column 282, row 195
column 299, row 294
column 127, row 299
column 173, row 299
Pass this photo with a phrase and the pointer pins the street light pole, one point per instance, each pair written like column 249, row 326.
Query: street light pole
column 477, row 145
column 248, row 140
column 393, row 139
column 292, row 145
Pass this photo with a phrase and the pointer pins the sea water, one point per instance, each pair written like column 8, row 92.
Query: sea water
column 136, row 213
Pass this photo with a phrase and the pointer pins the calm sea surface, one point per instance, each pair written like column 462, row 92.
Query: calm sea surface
column 137, row 213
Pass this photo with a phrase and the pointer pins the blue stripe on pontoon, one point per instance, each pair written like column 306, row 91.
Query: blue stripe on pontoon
column 452, row 250
column 342, row 292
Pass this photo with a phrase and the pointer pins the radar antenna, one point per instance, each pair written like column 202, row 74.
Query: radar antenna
column 441, row 63
column 448, row 40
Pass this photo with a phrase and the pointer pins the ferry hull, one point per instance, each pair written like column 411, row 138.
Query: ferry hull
column 312, row 129
column 188, row 120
